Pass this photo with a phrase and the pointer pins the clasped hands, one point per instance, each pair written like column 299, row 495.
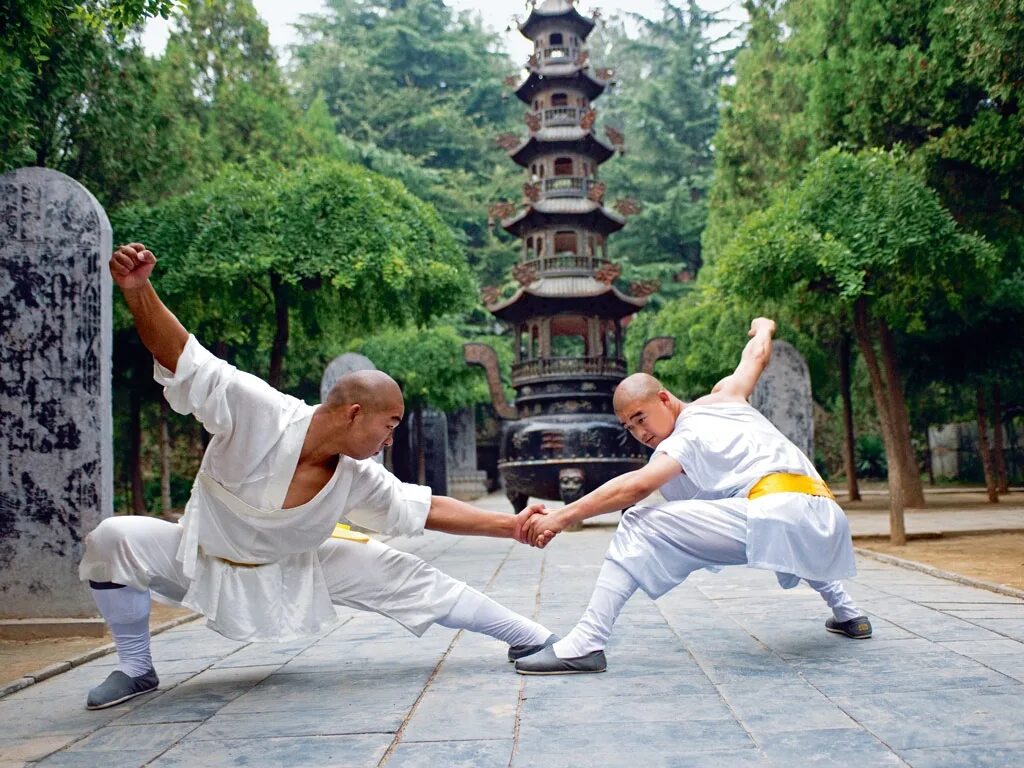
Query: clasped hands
column 537, row 526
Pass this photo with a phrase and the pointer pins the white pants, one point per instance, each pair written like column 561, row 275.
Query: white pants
column 660, row 546
column 139, row 552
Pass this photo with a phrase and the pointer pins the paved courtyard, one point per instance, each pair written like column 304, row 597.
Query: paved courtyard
column 728, row 670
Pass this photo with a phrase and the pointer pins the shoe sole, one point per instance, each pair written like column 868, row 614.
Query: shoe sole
column 847, row 634
column 564, row 672
column 121, row 700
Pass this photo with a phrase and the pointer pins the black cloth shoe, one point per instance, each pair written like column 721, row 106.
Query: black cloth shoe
column 545, row 662
column 859, row 627
column 118, row 687
column 516, row 652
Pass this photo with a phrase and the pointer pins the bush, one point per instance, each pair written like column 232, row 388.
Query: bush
column 870, row 457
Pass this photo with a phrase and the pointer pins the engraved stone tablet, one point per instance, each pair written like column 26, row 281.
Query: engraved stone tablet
column 783, row 395
column 56, row 463
column 339, row 366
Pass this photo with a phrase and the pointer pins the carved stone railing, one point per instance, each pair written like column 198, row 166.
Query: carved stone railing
column 566, row 264
column 559, row 54
column 561, row 116
column 568, row 366
column 567, row 186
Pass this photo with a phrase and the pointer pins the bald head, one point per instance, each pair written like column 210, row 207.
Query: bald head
column 637, row 388
column 375, row 391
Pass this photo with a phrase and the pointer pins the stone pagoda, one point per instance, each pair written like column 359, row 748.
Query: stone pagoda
column 561, row 438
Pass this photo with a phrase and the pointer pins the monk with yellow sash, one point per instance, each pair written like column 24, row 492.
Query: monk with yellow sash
column 737, row 492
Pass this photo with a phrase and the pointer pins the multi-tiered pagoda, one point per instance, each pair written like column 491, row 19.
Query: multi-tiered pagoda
column 561, row 438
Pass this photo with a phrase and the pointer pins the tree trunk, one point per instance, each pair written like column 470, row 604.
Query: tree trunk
column 913, row 489
column 165, row 460
column 280, row 291
column 865, row 342
column 849, row 457
column 421, row 453
column 987, row 464
column 1002, row 480
column 135, row 448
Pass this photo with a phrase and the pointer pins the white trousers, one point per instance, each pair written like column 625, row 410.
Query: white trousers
column 660, row 546
column 139, row 552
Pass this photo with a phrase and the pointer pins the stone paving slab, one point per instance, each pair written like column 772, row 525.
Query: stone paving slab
column 726, row 670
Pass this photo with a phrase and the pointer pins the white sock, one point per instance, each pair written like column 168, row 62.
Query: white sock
column 614, row 587
column 478, row 613
column 126, row 611
column 842, row 605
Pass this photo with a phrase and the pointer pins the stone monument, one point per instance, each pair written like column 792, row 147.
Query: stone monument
column 339, row 366
column 56, row 462
column 783, row 395
column 465, row 481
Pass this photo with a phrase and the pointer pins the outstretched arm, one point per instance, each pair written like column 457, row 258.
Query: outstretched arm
column 161, row 332
column 453, row 516
column 618, row 493
column 739, row 385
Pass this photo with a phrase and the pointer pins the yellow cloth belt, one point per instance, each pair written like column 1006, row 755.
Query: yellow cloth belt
column 781, row 482
column 342, row 531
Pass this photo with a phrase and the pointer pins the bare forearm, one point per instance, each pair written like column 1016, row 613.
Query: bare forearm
column 618, row 493
column 453, row 516
column 161, row 332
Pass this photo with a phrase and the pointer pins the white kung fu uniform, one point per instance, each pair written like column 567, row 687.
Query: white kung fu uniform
column 707, row 521
column 255, row 570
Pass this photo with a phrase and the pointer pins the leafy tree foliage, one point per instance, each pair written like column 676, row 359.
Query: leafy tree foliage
column 331, row 249
column 862, row 237
column 669, row 72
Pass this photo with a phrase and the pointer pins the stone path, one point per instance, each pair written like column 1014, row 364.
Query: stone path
column 727, row 670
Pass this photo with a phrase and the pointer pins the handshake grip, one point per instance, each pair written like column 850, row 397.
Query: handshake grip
column 536, row 526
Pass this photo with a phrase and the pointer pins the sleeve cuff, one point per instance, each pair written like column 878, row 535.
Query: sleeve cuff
column 192, row 357
column 415, row 501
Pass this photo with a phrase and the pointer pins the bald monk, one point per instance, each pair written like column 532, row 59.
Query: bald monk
column 255, row 551
column 737, row 493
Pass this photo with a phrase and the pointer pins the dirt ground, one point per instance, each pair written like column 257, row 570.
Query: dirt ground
column 997, row 557
column 20, row 658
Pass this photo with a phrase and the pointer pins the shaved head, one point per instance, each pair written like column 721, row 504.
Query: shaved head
column 637, row 388
column 375, row 391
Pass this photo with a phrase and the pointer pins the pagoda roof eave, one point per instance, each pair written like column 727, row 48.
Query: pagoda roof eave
column 553, row 10
column 545, row 213
column 585, row 143
column 592, row 86
column 529, row 301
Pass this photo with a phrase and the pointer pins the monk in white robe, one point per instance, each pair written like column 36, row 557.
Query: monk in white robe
column 256, row 551
column 737, row 492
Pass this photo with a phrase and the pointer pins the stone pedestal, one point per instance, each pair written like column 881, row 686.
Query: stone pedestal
column 783, row 395
column 56, row 462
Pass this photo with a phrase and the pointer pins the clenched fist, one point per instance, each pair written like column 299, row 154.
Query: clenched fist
column 131, row 266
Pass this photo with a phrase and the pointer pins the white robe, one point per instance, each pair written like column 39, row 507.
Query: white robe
column 234, row 512
column 724, row 450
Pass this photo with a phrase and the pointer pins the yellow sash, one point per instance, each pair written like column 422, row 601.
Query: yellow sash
column 781, row 482
column 342, row 531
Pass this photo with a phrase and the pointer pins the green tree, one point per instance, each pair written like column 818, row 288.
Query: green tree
column 416, row 88
column 95, row 108
column 220, row 63
column 669, row 75
column 861, row 236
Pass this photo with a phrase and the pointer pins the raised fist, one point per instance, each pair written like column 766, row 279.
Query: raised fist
column 131, row 265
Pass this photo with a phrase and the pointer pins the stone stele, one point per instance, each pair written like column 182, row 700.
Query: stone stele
column 783, row 395
column 56, row 462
